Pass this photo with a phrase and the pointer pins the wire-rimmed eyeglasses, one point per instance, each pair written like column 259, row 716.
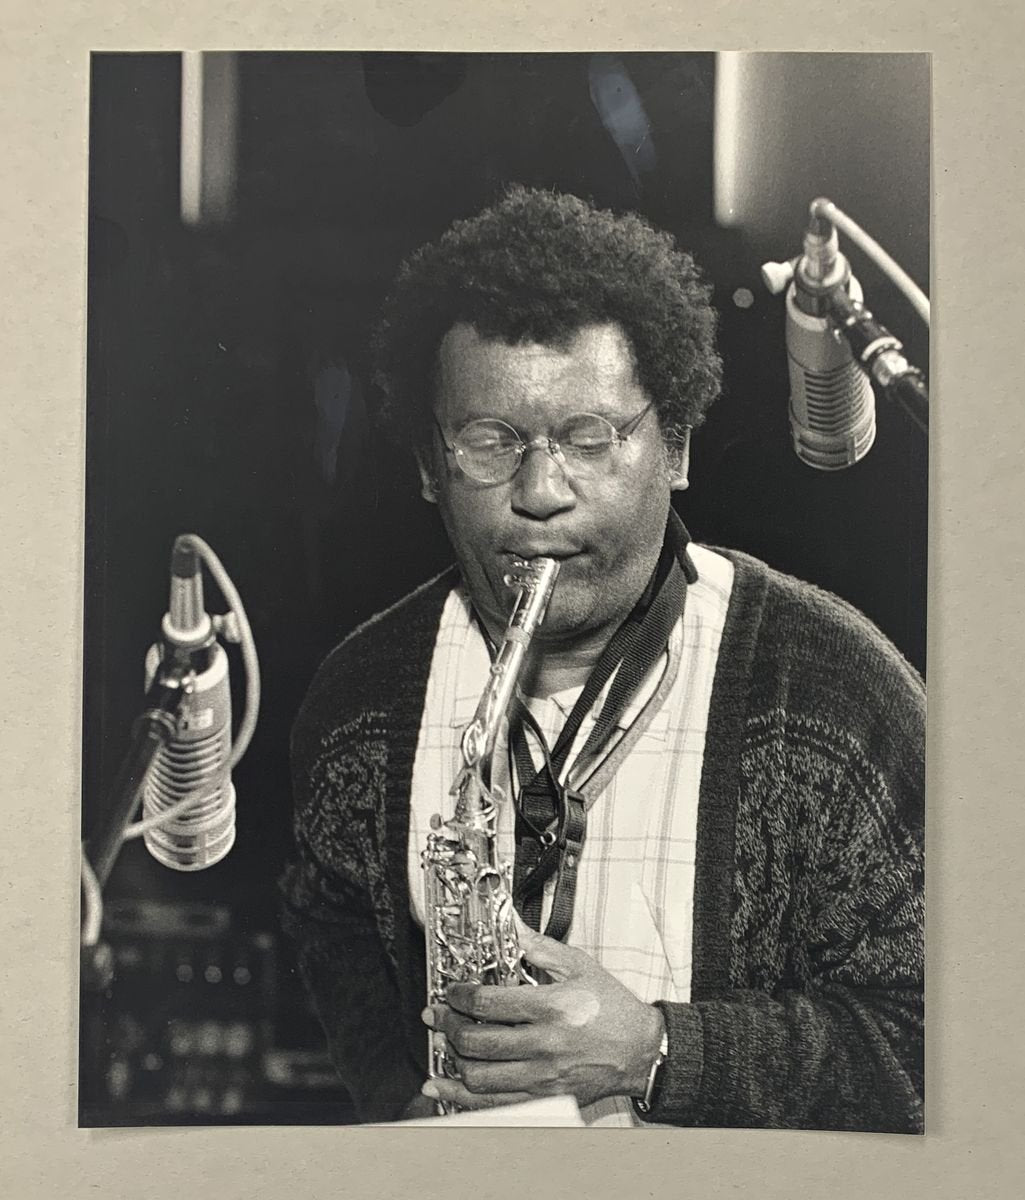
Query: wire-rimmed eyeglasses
column 491, row 451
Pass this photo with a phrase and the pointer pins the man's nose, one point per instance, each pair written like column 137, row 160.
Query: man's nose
column 541, row 487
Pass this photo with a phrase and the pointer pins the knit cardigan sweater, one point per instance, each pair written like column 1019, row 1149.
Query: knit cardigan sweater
column 807, row 985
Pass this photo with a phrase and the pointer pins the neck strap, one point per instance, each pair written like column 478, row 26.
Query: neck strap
column 551, row 818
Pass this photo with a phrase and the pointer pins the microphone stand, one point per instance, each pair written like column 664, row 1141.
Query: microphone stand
column 152, row 730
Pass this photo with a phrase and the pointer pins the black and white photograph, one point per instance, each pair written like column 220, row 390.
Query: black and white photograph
column 504, row 637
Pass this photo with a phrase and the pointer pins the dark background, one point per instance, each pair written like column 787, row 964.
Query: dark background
column 229, row 395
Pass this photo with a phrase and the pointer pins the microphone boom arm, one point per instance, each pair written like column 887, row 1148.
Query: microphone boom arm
column 152, row 730
column 880, row 356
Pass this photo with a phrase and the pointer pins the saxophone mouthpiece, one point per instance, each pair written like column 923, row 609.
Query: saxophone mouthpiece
column 539, row 573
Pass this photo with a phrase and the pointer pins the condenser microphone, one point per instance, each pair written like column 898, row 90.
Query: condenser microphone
column 832, row 406
column 194, row 762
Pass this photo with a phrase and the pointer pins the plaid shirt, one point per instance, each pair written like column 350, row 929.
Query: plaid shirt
column 635, row 885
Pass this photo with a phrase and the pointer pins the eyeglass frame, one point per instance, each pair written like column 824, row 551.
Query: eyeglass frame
column 543, row 440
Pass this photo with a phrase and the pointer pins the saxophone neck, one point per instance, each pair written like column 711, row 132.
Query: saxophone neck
column 534, row 582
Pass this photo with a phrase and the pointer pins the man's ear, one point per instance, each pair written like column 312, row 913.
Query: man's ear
column 428, row 479
column 679, row 462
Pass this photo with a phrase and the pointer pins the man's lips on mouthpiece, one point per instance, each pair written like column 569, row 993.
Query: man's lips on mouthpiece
column 559, row 553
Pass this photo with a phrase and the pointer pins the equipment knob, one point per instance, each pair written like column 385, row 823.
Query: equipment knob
column 777, row 276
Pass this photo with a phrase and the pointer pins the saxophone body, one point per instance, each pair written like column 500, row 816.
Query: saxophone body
column 468, row 909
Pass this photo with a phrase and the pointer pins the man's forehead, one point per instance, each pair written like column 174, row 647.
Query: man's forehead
column 601, row 350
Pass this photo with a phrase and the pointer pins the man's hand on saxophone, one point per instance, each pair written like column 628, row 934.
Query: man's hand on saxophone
column 585, row 1034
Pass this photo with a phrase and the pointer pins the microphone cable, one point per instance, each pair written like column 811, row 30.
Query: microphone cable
column 827, row 210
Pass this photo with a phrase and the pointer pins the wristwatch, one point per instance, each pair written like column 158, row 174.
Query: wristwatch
column 643, row 1103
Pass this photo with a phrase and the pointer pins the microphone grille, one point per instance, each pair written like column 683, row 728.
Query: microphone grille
column 195, row 763
column 832, row 416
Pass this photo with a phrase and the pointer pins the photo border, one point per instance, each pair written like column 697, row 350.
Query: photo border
column 975, row 818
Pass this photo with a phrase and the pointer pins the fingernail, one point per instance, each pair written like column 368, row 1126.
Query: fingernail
column 427, row 1016
column 429, row 1090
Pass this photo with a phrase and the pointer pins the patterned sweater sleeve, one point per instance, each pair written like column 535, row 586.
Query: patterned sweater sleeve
column 348, row 976
column 818, row 1019
column 333, row 902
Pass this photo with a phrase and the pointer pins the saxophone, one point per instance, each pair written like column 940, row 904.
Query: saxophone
column 468, row 910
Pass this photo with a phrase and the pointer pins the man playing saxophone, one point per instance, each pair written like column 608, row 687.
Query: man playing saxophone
column 713, row 773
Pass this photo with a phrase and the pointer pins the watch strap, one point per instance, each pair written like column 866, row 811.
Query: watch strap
column 643, row 1104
